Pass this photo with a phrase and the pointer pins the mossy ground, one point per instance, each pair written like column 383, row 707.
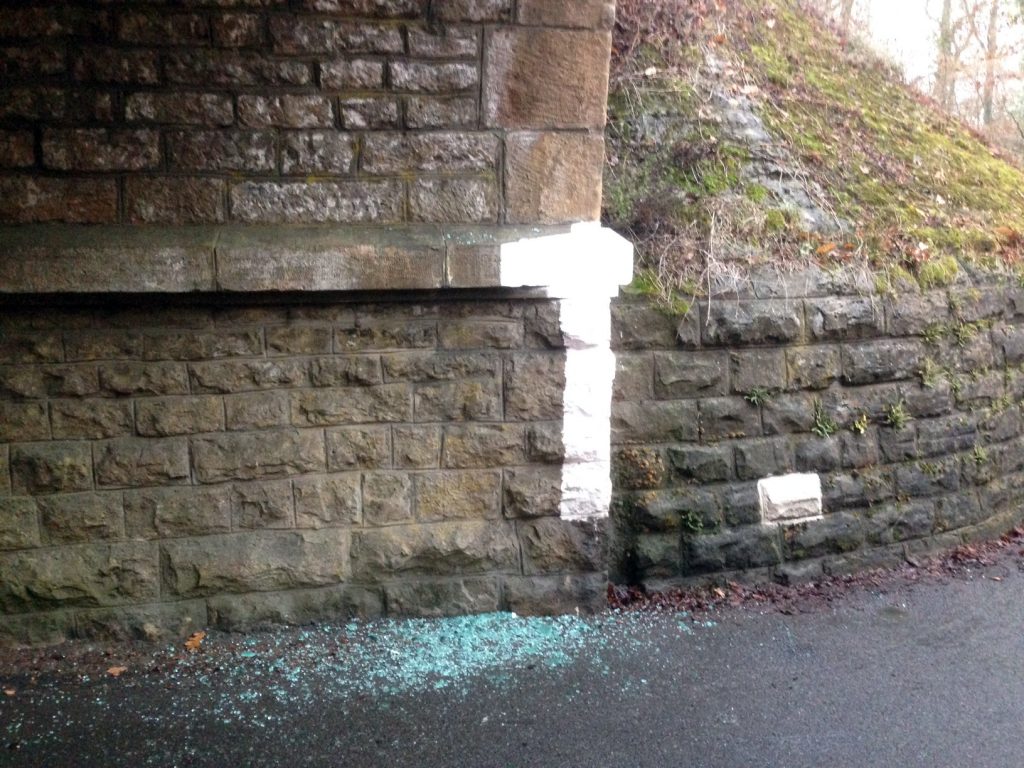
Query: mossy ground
column 912, row 191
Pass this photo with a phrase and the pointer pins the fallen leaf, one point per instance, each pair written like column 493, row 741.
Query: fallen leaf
column 194, row 641
column 9, row 691
column 826, row 249
column 117, row 671
column 719, row 39
column 718, row 592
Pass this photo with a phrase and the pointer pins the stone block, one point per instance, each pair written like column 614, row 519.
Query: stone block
column 756, row 459
column 426, row 112
column 257, row 410
column 51, row 468
column 317, row 152
column 553, row 178
column 740, row 549
column 483, row 445
column 728, row 417
column 358, row 448
column 245, row 376
column 544, row 443
column 532, row 492
column 370, row 114
column 813, row 367
column 790, row 497
column 744, row 323
column 670, row 421
column 927, row 479
column 818, row 454
column 557, row 595
column 150, row 623
column 17, row 149
column 841, row 318
column 327, row 407
column 440, row 366
column 352, row 74
column 144, row 379
column 454, row 201
column 37, row 382
column 452, row 495
column 586, row 14
column 312, row 35
column 325, row 502
column 26, row 347
column 831, row 535
column 254, row 562
column 36, row 199
column 96, row 344
column 167, row 416
column 387, row 497
column 657, row 556
column 1009, row 341
column 891, row 360
column 551, row 545
column 476, row 334
column 173, row 200
column 702, row 464
column 78, row 575
column 230, row 69
column 545, row 78
column 160, row 513
column 911, row 314
column 140, row 28
column 417, row 447
column 859, row 451
column 226, row 150
column 634, row 377
column 138, row 462
column 5, row 470
column 101, row 149
column 534, row 387
column 444, row 43
column 345, row 371
column 19, row 523
column 23, row 422
column 473, row 10
column 203, row 109
column 640, row 326
column 257, row 455
column 298, row 340
column 396, row 153
column 237, row 30
column 435, row 597
column 295, row 607
column 338, row 202
column 440, row 549
column 81, row 517
column 459, row 401
column 285, row 111
column 434, row 77
column 262, row 505
column 760, row 370
column 199, row 345
column 690, row 374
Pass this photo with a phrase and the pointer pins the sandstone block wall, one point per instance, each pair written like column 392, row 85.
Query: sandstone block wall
column 303, row 111
column 165, row 467
column 907, row 407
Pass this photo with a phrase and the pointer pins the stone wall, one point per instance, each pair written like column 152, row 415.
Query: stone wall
column 907, row 407
column 165, row 467
column 303, row 111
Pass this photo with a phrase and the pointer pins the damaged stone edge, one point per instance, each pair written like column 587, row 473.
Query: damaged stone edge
column 584, row 268
column 69, row 259
column 790, row 499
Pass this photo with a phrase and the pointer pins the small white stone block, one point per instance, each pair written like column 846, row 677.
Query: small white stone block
column 790, row 498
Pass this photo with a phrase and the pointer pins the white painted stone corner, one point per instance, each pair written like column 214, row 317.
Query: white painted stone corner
column 794, row 498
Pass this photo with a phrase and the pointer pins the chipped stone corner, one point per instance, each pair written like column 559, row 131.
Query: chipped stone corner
column 787, row 499
column 584, row 268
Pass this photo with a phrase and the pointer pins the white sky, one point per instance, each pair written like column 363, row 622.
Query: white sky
column 902, row 31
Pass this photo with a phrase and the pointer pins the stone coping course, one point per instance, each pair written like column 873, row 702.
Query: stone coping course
column 69, row 259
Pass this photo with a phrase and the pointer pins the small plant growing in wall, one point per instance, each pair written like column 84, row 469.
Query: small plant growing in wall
column 979, row 455
column 860, row 424
column 758, row 396
column 824, row 425
column 930, row 373
column 692, row 523
column 896, row 415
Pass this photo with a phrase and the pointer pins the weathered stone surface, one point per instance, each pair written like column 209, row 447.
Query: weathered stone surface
column 81, row 517
column 890, row 360
column 144, row 379
column 358, row 448
column 728, row 417
column 433, row 366
column 551, row 545
column 232, row 69
column 473, row 10
column 757, row 459
column 434, row 550
column 813, row 367
column 307, row 35
column 417, row 447
column 352, row 74
column 532, row 492
column 545, row 78
column 444, row 43
column 19, row 523
column 556, row 595
column 340, row 202
column 137, row 462
column 488, row 334
column 17, row 149
column 634, row 377
column 384, row 403
column 690, row 374
column 1009, row 340
column 845, row 318
column 424, row 112
column 23, row 422
column 20, row 347
column 174, row 200
column 298, row 340
column 166, row 416
column 232, row 150
column 553, row 178
column 391, row 153
column 431, row 77
column 255, row 455
column 483, row 445
column 250, row 375
column 458, row 496
column 911, row 315
column 206, row 109
column 326, row 502
column 5, row 469
column 833, row 534
column 435, row 598
column 237, row 30
column 585, row 14
column 172, row 512
column 465, row 201
column 99, row 149
column 369, row 113
column 81, row 575
column 743, row 548
column 30, row 200
column 48, row 381
column 295, row 607
column 200, row 345
column 262, row 505
column 313, row 152
column 387, row 497
column 254, row 562
column 51, row 468
column 656, row 422
column 285, row 111
column 751, row 371
column 639, row 326
column 151, row 623
column 458, row 401
column 534, row 387
column 345, row 371
column 744, row 323
column 257, row 410
column 703, row 464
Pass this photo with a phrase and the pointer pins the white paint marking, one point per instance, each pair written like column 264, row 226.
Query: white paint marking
column 790, row 498
column 584, row 268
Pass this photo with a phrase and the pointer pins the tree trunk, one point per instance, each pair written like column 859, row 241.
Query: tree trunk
column 944, row 80
column 846, row 16
column 988, row 93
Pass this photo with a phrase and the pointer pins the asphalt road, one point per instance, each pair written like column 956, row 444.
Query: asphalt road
column 929, row 675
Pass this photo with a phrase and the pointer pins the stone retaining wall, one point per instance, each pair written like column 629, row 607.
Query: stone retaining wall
column 907, row 407
column 166, row 466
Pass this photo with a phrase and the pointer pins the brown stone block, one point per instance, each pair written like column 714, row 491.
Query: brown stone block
column 345, row 371
column 19, row 523
column 532, row 491
column 159, row 29
column 374, row 113
column 311, row 152
column 534, row 387
column 166, row 416
column 197, row 345
column 417, row 447
column 358, row 448
column 299, row 340
column 17, row 149
column 81, row 517
column 254, row 562
column 23, row 422
column 458, row 496
column 247, row 375
column 483, row 445
column 553, row 178
column 262, row 505
column 325, row 502
column 352, row 74
column 551, row 545
column 473, row 10
column 29, row 200
column 174, row 200
column 387, row 497
column 81, row 575
column 463, row 333
column 350, row 202
column 159, row 513
column 21, row 381
column 454, row 201
column 294, row 607
column 229, row 150
column 51, row 467
column 327, row 407
column 144, row 379
column 429, row 77
column 388, row 153
column 423, row 112
column 256, row 455
column 91, row 419
column 546, row 78
column 257, row 410
column 433, row 598
column 230, row 69
column 5, row 469
column 458, row 401
column 286, row 111
column 100, row 149
column 137, row 462
column 306, row 35
column 445, row 43
column 110, row 65
column 237, row 30
column 30, row 347
column 373, row 9
column 583, row 14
